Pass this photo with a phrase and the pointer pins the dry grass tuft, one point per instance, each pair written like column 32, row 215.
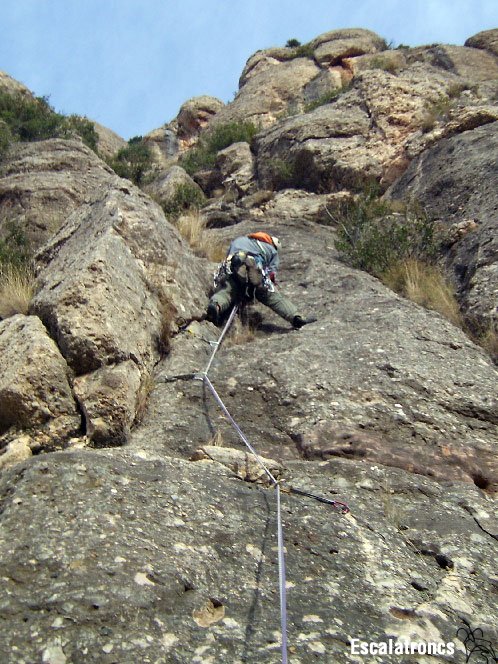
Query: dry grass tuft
column 17, row 287
column 168, row 313
column 192, row 227
column 217, row 440
column 424, row 284
column 240, row 334
column 487, row 338
column 145, row 390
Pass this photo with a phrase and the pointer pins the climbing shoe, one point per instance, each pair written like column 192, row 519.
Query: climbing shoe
column 298, row 321
column 213, row 313
column 254, row 274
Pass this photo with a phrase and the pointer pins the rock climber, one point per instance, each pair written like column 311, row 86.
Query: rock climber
column 250, row 270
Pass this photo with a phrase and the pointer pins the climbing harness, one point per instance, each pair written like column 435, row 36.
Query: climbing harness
column 230, row 266
column 340, row 506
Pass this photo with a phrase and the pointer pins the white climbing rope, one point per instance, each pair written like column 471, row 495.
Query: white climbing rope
column 217, row 344
column 280, row 533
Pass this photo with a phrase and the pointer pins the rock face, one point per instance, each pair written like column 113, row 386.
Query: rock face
column 282, row 84
column 148, row 533
column 108, row 297
column 41, row 183
column 456, row 182
column 370, row 132
column 352, row 385
column 109, row 143
column 35, row 391
column 164, row 189
column 173, row 138
column 486, row 40
column 164, row 559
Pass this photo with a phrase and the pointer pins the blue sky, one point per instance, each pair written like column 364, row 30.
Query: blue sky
column 130, row 64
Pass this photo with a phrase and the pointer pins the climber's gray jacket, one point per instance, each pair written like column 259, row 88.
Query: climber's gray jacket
column 267, row 252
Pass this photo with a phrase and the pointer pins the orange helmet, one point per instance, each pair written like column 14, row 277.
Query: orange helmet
column 265, row 237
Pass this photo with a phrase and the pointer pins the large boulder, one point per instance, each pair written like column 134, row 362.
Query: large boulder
column 35, row 387
column 164, row 189
column 486, row 40
column 235, row 165
column 332, row 47
column 455, row 181
column 114, row 282
column 42, row 182
column 472, row 64
column 270, row 93
column 172, row 139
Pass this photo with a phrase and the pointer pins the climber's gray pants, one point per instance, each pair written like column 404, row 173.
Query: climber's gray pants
column 232, row 291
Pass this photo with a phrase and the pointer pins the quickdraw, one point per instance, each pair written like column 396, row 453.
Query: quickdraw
column 341, row 507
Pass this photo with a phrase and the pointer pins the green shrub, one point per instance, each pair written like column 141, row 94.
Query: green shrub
column 5, row 138
column 29, row 119
column 292, row 43
column 282, row 173
column 32, row 119
column 134, row 161
column 304, row 51
column 203, row 156
column 298, row 51
column 186, row 197
column 14, row 247
column 326, row 98
column 84, row 128
column 384, row 63
column 373, row 238
column 297, row 171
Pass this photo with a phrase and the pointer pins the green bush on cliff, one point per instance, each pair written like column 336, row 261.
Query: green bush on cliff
column 5, row 138
column 203, row 156
column 397, row 243
column 373, row 236
column 133, row 161
column 30, row 119
column 14, row 246
column 186, row 197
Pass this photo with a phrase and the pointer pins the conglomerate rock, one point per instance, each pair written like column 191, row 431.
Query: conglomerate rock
column 364, row 134
column 120, row 556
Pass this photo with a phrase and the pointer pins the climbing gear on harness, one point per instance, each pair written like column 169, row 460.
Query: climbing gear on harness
column 298, row 321
column 247, row 269
column 254, row 271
